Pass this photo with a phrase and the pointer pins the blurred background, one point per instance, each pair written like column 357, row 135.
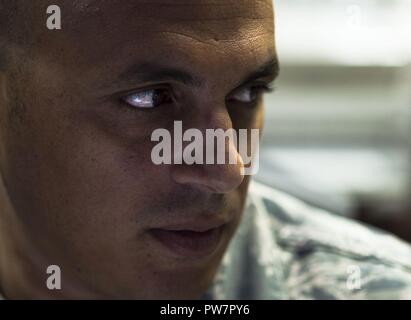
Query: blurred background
column 338, row 125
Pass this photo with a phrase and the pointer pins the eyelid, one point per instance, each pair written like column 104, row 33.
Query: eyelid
column 263, row 85
column 142, row 89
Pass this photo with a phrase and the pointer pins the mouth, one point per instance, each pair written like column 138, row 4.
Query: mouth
column 189, row 242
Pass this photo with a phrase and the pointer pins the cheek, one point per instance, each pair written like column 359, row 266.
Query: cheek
column 107, row 182
column 77, row 181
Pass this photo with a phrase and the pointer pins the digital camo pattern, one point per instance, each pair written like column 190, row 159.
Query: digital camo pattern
column 285, row 249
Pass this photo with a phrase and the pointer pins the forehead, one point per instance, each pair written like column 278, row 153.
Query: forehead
column 99, row 32
column 202, row 19
column 171, row 10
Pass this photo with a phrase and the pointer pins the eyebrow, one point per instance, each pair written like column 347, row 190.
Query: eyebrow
column 269, row 69
column 152, row 72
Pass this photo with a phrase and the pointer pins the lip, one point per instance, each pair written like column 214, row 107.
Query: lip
column 189, row 241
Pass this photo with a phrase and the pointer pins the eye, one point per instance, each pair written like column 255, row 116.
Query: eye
column 149, row 98
column 249, row 94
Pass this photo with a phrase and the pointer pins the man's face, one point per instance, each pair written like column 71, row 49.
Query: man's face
column 77, row 163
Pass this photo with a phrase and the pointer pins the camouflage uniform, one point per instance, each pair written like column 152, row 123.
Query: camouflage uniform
column 285, row 249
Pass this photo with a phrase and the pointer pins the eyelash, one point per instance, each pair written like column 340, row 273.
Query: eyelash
column 264, row 88
column 260, row 89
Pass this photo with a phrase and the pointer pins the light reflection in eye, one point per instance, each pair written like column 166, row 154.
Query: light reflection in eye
column 150, row 98
column 245, row 95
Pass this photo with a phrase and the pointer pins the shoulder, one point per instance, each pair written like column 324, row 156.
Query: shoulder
column 328, row 256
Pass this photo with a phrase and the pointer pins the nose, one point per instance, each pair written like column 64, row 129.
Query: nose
column 216, row 173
